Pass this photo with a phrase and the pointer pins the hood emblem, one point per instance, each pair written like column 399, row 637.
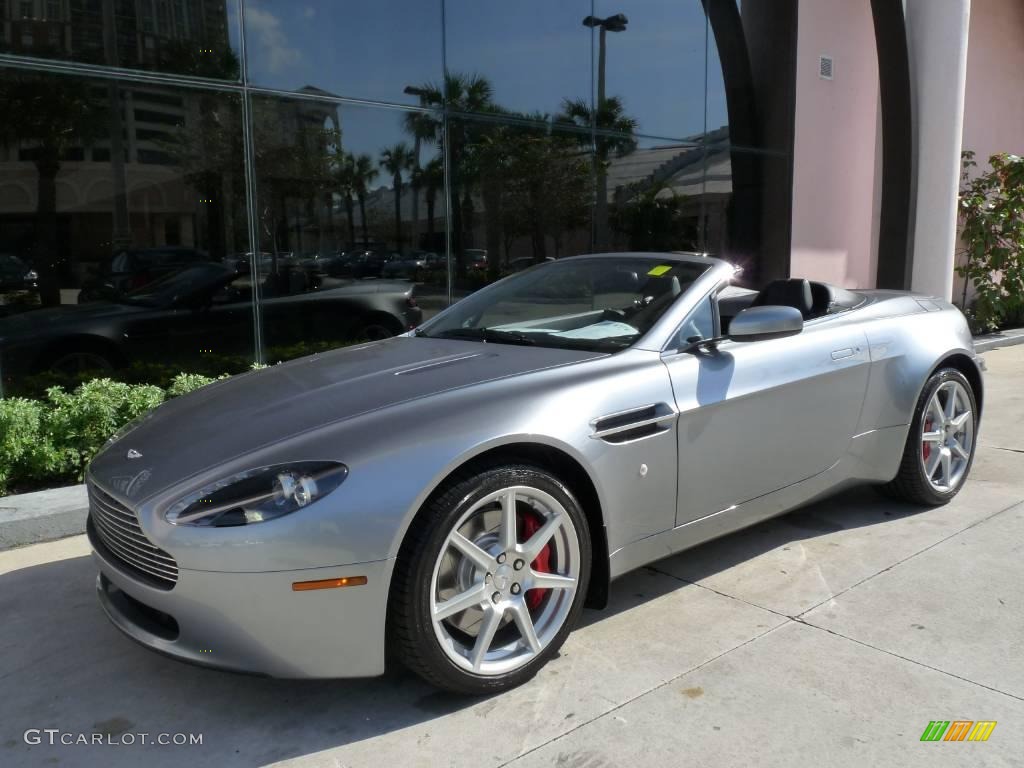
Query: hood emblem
column 133, row 454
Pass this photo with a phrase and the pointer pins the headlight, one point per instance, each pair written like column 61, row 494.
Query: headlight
column 258, row 494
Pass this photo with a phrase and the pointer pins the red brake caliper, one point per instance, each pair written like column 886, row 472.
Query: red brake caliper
column 529, row 523
column 926, row 448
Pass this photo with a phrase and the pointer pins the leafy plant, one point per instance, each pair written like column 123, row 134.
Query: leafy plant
column 992, row 221
column 24, row 456
column 77, row 424
column 50, row 441
column 184, row 383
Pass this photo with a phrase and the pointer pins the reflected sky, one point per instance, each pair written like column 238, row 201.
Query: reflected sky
column 535, row 53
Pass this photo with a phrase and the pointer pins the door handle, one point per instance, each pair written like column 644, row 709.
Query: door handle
column 839, row 354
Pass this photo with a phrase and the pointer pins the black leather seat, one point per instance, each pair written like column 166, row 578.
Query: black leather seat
column 795, row 292
column 824, row 297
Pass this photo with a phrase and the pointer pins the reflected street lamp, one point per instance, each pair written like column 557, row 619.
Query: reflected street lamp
column 616, row 23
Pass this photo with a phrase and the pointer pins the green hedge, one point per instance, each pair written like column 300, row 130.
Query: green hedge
column 49, row 442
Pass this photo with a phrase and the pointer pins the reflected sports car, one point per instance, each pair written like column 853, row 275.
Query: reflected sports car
column 453, row 497
column 203, row 307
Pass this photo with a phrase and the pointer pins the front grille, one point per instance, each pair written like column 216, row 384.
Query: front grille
column 118, row 530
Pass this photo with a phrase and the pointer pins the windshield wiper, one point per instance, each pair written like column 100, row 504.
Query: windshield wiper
column 486, row 334
column 587, row 345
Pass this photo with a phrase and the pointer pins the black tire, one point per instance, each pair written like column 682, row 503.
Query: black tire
column 78, row 358
column 377, row 326
column 411, row 636
column 911, row 483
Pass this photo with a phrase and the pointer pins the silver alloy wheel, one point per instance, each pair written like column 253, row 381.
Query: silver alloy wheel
column 478, row 592
column 947, row 436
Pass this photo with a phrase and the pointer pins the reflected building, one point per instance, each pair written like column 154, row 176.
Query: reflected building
column 394, row 142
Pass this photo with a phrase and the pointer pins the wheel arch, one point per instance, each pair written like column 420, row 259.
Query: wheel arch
column 80, row 341
column 964, row 363
column 380, row 317
column 568, row 469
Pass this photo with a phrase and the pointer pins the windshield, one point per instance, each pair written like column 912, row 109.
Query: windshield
column 597, row 303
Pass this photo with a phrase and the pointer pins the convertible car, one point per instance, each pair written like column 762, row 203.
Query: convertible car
column 453, row 497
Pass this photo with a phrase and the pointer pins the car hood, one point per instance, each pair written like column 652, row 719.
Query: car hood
column 236, row 416
column 38, row 322
column 346, row 286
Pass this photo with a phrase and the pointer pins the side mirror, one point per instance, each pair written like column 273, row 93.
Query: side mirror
column 768, row 322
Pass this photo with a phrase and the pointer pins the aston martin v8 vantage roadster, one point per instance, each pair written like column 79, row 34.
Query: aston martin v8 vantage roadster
column 452, row 498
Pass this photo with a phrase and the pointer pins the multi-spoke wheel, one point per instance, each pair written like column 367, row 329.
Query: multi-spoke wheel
column 947, row 436
column 940, row 446
column 490, row 579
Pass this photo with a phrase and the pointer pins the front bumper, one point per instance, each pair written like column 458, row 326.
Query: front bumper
column 254, row 622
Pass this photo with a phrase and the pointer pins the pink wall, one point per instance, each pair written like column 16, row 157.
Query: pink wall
column 994, row 102
column 836, row 145
column 994, row 108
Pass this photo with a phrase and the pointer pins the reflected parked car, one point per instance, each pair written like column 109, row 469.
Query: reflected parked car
column 330, row 264
column 205, row 309
column 411, row 267
column 476, row 258
column 16, row 275
column 242, row 262
column 133, row 268
column 368, row 263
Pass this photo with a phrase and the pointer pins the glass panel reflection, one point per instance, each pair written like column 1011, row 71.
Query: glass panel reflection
column 656, row 197
column 746, row 195
column 366, row 50
column 183, row 37
column 351, row 223
column 110, row 192
column 534, row 53
column 650, row 54
column 521, row 194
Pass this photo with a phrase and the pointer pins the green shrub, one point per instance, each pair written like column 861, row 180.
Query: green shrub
column 48, row 438
column 992, row 219
column 79, row 423
column 184, row 383
column 24, row 455
column 48, row 442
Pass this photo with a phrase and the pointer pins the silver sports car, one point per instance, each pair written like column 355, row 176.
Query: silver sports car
column 452, row 498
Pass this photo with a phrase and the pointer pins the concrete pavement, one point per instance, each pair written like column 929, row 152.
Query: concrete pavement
column 828, row 637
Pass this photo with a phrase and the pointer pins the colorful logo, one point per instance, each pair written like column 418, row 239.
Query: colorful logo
column 958, row 730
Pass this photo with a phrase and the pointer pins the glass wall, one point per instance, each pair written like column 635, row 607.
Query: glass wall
column 192, row 185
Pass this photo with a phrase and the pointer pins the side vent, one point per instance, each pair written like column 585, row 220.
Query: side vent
column 826, row 67
column 634, row 424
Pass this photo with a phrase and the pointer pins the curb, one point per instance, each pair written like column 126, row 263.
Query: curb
column 32, row 518
column 990, row 341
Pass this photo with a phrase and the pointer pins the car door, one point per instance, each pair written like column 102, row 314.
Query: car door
column 757, row 416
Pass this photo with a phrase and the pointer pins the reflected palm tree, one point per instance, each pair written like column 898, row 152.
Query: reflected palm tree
column 363, row 171
column 422, row 128
column 469, row 94
column 396, row 160
column 430, row 178
column 614, row 135
column 344, row 183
